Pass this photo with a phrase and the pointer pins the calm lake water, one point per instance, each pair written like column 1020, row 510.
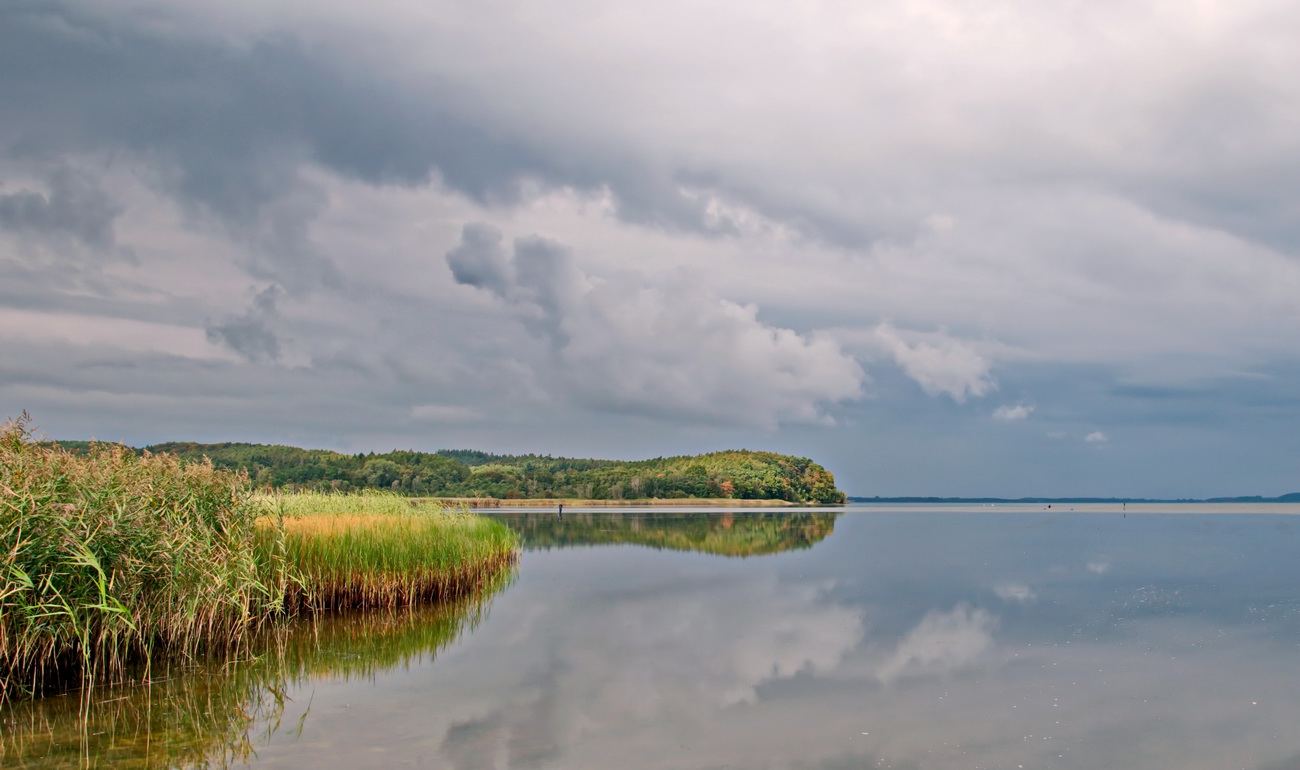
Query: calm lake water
column 866, row 637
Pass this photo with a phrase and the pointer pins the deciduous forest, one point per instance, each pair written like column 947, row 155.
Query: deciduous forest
column 737, row 474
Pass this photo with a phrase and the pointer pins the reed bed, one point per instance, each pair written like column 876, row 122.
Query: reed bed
column 110, row 559
column 381, row 550
column 107, row 556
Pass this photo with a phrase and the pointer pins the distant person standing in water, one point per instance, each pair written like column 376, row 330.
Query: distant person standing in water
column 561, row 510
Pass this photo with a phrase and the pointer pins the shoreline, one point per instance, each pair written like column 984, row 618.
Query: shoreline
column 487, row 503
column 1066, row 508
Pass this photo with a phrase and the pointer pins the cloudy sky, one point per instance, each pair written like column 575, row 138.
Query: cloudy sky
column 942, row 247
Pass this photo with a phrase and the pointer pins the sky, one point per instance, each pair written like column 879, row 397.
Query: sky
column 943, row 248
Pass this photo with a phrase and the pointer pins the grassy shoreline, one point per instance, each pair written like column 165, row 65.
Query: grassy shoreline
column 111, row 560
column 371, row 550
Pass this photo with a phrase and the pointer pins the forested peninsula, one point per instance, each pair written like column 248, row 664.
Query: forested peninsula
column 735, row 474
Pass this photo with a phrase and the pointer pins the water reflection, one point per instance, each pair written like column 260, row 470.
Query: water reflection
column 901, row 639
column 720, row 532
column 215, row 713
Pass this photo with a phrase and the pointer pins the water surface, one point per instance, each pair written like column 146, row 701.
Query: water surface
column 1006, row 637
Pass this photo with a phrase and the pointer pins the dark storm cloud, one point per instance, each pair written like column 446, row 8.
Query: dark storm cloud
column 227, row 127
column 479, row 260
column 539, row 273
column 229, row 124
column 250, row 334
column 223, row 130
column 547, row 277
column 231, row 120
column 75, row 207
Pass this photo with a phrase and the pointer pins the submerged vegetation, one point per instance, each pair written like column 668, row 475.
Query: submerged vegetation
column 738, row 474
column 112, row 558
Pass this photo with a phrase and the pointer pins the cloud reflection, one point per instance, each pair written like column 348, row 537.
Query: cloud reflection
column 942, row 643
column 1014, row 592
column 860, row 653
column 655, row 659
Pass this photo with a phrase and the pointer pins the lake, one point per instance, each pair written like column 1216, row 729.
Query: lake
column 858, row 637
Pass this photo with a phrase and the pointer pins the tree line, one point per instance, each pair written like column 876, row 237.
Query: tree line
column 738, row 474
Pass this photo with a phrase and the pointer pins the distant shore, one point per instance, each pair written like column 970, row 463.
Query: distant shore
column 677, row 502
column 1012, row 506
column 1294, row 497
column 1123, row 508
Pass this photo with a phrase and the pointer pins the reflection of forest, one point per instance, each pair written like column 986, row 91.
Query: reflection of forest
column 212, row 714
column 725, row 533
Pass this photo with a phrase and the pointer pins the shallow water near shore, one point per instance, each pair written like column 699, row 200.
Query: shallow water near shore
column 866, row 636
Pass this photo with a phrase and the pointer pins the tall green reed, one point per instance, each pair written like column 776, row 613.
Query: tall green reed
column 106, row 556
column 109, row 559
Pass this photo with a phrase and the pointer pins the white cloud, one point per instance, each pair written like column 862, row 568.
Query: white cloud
column 1010, row 413
column 1098, row 567
column 668, row 347
column 940, row 364
column 1096, row 437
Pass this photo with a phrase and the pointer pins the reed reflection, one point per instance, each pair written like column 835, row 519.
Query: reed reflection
column 217, row 713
